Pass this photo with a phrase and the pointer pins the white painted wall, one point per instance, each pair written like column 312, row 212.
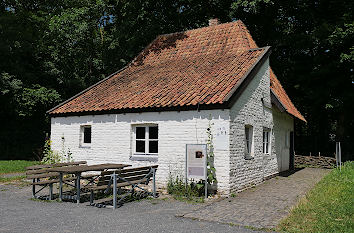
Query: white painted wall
column 283, row 125
column 112, row 139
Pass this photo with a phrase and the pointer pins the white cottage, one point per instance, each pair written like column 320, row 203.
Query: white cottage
column 168, row 95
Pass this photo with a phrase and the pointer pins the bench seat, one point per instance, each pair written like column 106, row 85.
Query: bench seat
column 119, row 185
column 53, row 181
column 115, row 180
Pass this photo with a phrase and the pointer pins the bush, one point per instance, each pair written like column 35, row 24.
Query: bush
column 177, row 187
column 51, row 157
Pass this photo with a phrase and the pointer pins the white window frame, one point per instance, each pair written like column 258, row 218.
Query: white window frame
column 266, row 145
column 82, row 136
column 249, row 144
column 287, row 139
column 147, row 139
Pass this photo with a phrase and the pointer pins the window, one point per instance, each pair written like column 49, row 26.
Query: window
column 85, row 135
column 146, row 139
column 266, row 141
column 249, row 140
column 287, row 139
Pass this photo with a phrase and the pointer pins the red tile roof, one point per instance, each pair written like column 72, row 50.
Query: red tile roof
column 195, row 67
column 279, row 91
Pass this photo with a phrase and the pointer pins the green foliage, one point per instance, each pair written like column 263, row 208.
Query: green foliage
column 51, row 157
column 192, row 192
column 33, row 99
column 329, row 207
column 211, row 175
column 13, row 166
column 8, row 84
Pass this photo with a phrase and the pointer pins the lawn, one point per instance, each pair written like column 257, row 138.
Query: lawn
column 329, row 207
column 13, row 166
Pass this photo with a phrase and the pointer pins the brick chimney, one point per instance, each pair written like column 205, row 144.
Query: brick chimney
column 213, row 22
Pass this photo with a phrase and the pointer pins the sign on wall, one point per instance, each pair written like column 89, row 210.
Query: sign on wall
column 221, row 137
column 196, row 160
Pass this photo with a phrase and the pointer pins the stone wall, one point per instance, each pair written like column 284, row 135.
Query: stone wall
column 314, row 161
column 251, row 110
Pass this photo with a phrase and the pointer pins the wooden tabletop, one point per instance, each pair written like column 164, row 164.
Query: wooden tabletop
column 86, row 168
column 40, row 166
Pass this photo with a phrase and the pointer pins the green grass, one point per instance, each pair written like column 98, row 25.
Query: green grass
column 12, row 166
column 328, row 207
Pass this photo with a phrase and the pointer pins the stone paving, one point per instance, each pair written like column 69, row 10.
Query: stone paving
column 262, row 206
column 18, row 213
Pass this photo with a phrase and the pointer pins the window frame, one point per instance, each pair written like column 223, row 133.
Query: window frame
column 249, row 144
column 287, row 139
column 266, row 145
column 82, row 136
column 146, row 139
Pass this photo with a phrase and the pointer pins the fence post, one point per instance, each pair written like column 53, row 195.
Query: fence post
column 338, row 156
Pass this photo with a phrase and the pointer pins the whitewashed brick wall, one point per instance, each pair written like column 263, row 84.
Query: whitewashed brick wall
column 112, row 139
column 250, row 110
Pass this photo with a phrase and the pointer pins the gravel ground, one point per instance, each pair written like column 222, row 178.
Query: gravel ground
column 20, row 214
column 8, row 175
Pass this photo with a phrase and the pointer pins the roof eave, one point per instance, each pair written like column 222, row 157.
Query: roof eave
column 276, row 101
column 197, row 107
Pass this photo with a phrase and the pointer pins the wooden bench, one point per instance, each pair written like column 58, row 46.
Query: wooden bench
column 42, row 176
column 115, row 180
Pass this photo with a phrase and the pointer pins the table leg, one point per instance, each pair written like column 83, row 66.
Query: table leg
column 78, row 176
column 60, row 186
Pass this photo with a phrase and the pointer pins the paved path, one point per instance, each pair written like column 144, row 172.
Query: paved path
column 20, row 214
column 264, row 205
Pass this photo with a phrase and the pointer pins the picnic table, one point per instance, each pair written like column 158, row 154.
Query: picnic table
column 42, row 177
column 77, row 170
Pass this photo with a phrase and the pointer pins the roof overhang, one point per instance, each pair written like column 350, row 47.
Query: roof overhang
column 275, row 100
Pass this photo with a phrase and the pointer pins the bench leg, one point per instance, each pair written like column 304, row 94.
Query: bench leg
column 61, row 186
column 50, row 191
column 78, row 188
column 154, row 182
column 114, row 190
column 34, row 189
column 91, row 197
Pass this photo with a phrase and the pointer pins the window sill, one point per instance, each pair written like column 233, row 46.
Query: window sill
column 249, row 157
column 144, row 157
column 85, row 146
